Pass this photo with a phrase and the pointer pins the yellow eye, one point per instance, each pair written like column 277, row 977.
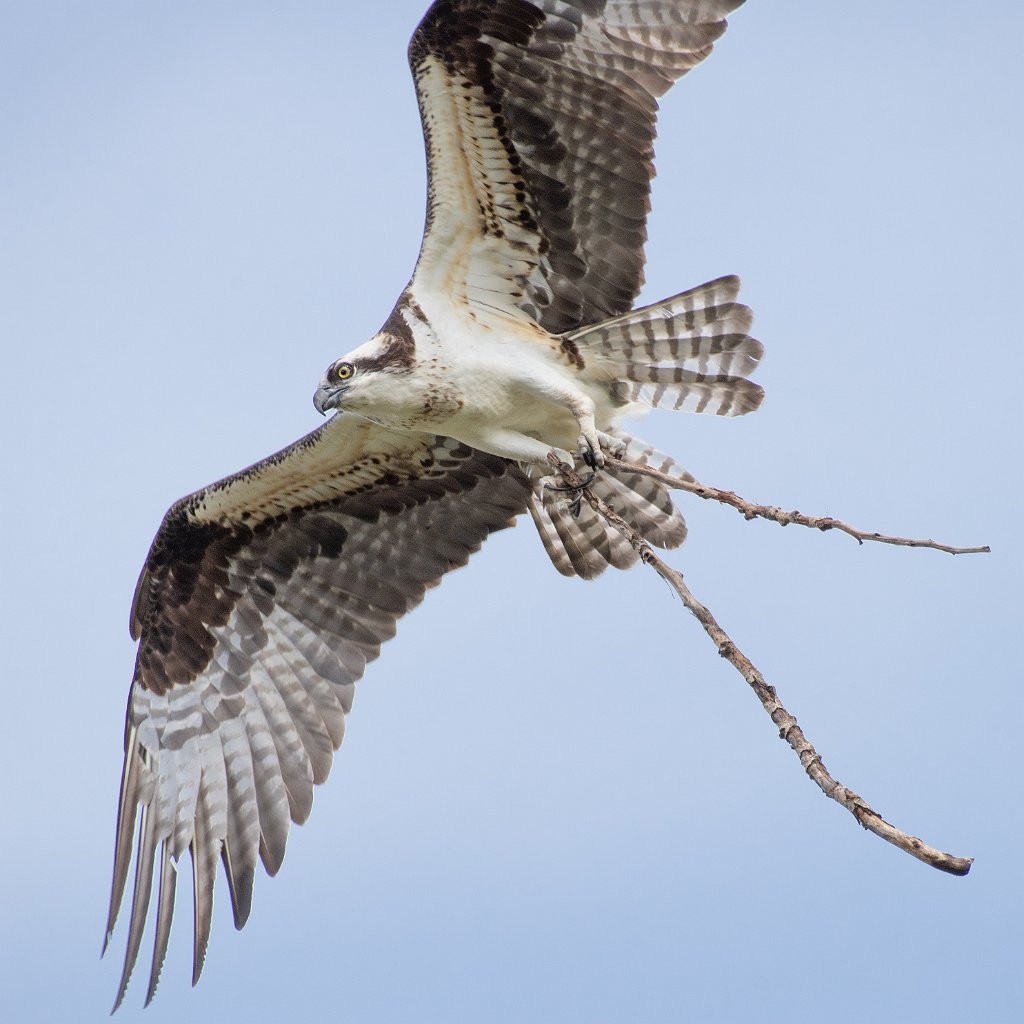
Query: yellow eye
column 343, row 371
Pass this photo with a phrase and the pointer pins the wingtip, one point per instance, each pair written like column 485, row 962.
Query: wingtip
column 198, row 962
column 240, row 886
column 165, row 912
column 204, row 866
column 122, row 988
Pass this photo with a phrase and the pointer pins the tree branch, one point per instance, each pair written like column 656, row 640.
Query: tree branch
column 787, row 725
column 777, row 515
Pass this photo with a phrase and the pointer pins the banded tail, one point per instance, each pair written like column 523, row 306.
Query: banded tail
column 584, row 545
column 691, row 352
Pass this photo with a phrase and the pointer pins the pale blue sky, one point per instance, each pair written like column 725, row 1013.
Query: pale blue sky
column 555, row 802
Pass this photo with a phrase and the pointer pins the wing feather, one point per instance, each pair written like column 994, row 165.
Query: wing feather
column 271, row 795
column 140, row 898
column 301, row 710
column 539, row 121
column 262, row 600
column 208, row 837
column 164, row 916
column 296, row 771
column 126, row 815
column 241, row 845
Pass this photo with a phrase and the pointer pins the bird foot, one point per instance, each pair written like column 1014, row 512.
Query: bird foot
column 592, row 448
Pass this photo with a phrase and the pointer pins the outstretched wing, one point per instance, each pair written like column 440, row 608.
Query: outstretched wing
column 262, row 599
column 539, row 120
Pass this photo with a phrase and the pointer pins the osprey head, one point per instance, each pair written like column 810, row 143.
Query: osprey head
column 336, row 381
column 364, row 380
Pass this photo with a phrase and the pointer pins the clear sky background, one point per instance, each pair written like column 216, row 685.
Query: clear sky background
column 555, row 803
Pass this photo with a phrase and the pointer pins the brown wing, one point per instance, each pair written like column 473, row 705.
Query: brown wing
column 539, row 120
column 261, row 601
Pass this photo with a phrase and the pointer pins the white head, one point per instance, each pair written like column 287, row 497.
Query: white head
column 364, row 380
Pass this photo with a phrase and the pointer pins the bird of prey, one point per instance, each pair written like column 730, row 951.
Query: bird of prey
column 264, row 595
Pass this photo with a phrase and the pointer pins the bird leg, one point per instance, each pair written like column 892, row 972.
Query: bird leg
column 592, row 443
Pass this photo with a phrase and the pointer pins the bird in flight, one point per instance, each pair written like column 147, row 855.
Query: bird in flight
column 264, row 595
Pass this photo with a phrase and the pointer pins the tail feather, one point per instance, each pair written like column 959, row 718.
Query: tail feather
column 691, row 352
column 585, row 545
column 683, row 391
column 712, row 340
column 581, row 546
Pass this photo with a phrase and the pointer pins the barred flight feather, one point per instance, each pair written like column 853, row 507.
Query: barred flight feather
column 241, row 845
column 222, row 756
column 549, row 109
column 164, row 915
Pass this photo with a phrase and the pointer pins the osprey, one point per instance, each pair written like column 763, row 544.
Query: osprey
column 264, row 595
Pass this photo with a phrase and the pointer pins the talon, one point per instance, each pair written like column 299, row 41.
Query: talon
column 590, row 450
column 575, row 503
column 583, row 484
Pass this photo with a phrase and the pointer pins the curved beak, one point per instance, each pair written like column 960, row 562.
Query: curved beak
column 325, row 399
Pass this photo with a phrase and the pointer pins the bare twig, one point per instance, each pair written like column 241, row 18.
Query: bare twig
column 777, row 515
column 786, row 723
